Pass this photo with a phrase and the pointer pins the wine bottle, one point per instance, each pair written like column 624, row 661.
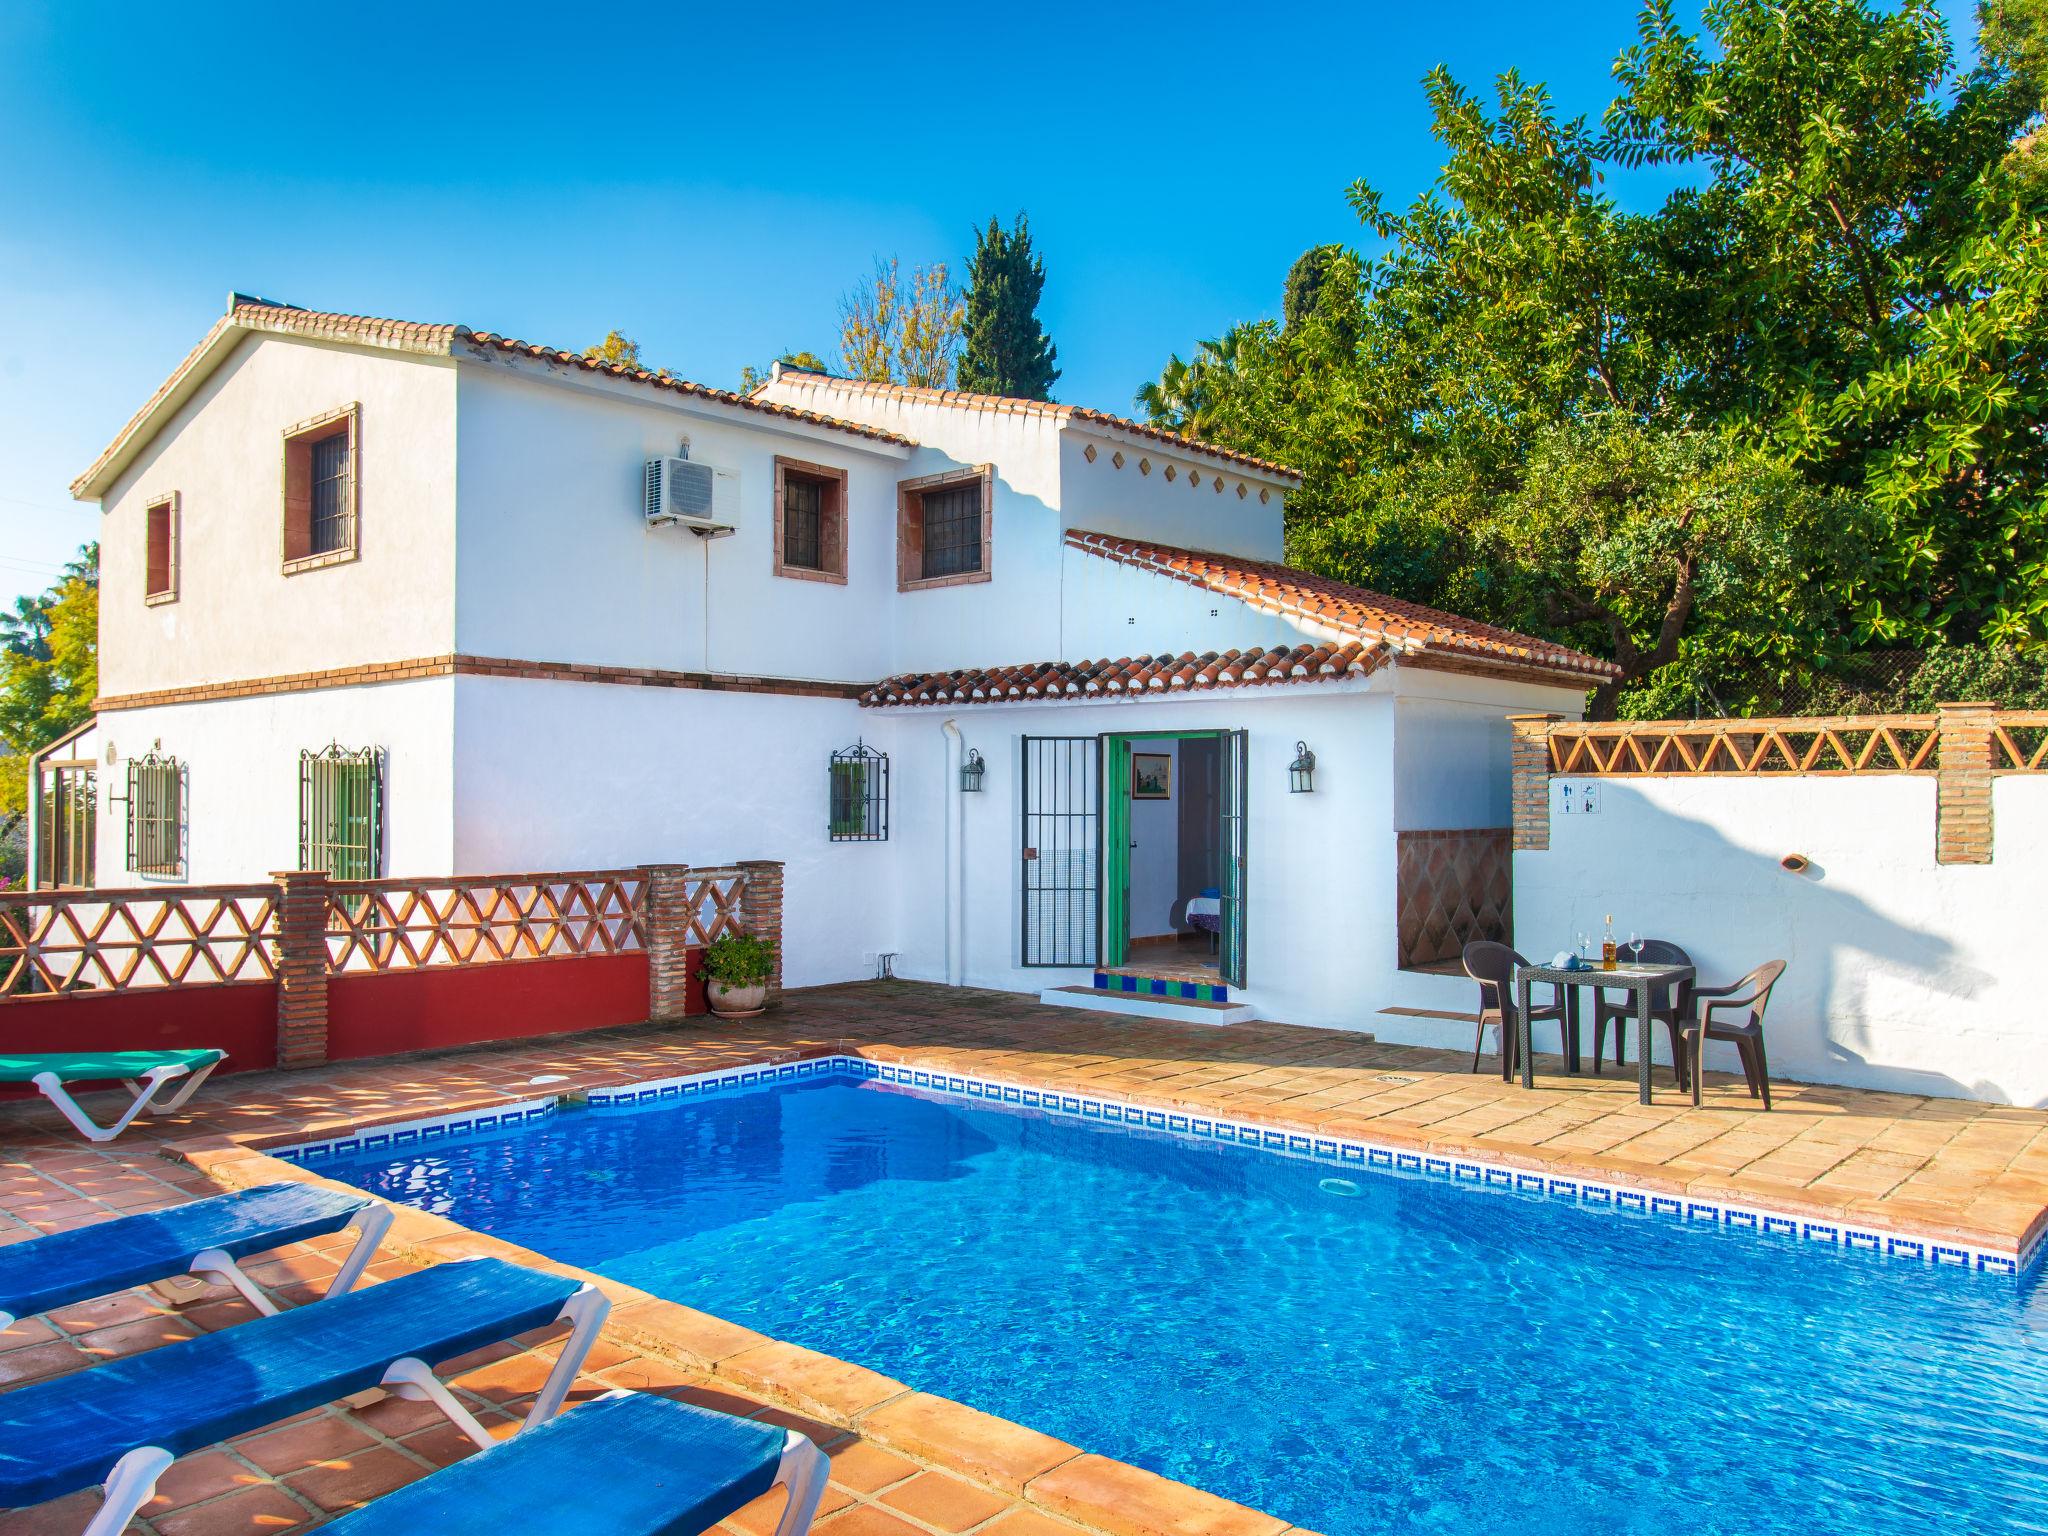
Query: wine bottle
column 1607, row 945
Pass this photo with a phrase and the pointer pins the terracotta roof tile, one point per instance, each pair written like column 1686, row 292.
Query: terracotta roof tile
column 1349, row 610
column 440, row 340
column 1130, row 676
column 1008, row 404
column 490, row 339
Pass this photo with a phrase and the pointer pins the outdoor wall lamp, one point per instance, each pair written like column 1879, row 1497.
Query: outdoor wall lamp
column 1301, row 773
column 970, row 773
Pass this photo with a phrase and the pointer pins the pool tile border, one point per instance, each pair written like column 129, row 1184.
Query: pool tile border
column 1755, row 1221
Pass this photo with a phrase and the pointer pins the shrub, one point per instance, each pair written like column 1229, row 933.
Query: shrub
column 738, row 960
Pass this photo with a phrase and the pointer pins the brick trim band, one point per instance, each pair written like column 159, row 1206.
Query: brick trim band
column 478, row 666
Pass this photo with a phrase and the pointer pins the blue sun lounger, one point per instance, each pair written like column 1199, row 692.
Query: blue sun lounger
column 670, row 1469
column 206, row 1238
column 122, row 1424
column 144, row 1072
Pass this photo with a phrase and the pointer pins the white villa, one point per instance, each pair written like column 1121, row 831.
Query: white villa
column 1019, row 693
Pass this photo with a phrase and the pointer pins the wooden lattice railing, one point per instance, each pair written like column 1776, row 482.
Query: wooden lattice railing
column 388, row 925
column 2019, row 741
column 1844, row 744
column 53, row 942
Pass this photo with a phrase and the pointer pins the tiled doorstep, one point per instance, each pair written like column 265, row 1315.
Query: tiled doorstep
column 1094, row 1492
column 1390, row 1159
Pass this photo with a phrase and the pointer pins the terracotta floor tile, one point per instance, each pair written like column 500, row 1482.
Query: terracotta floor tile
column 867, row 1520
column 266, row 1510
column 327, row 1436
column 192, row 1479
column 343, row 1482
column 944, row 1502
column 867, row 1468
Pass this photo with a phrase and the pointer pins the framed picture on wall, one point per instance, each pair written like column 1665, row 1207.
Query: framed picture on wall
column 1151, row 776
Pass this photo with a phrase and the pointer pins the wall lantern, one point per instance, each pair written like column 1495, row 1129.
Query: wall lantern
column 970, row 773
column 1301, row 773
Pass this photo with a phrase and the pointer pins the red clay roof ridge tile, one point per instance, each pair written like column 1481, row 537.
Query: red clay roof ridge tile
column 1132, row 676
column 1340, row 606
column 1013, row 405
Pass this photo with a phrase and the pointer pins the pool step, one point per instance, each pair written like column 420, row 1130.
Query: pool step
column 1187, row 1010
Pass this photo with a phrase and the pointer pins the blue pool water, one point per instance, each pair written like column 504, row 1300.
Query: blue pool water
column 1361, row 1354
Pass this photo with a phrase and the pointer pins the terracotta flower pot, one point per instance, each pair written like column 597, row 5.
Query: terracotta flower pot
column 736, row 1002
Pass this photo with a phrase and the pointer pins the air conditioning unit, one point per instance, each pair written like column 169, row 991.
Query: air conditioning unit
column 699, row 496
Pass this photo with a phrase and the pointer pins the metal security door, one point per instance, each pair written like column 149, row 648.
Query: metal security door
column 1061, row 793
column 1231, row 848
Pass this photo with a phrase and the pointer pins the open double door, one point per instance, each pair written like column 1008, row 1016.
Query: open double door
column 1075, row 848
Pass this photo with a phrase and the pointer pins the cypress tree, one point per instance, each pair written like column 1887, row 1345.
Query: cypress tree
column 1007, row 352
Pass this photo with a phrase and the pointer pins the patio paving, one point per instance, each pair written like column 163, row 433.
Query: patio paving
column 904, row 1461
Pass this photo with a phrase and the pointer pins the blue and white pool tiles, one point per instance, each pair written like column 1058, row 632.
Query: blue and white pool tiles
column 1749, row 1220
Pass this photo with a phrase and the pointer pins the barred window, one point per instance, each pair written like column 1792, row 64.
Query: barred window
column 803, row 506
column 333, row 508
column 156, row 815
column 944, row 528
column 341, row 812
column 859, row 795
column 952, row 531
column 810, row 526
column 322, row 466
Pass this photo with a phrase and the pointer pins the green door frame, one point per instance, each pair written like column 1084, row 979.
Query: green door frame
column 1116, row 848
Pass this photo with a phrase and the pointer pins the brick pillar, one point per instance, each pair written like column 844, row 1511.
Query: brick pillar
column 668, row 941
column 1962, row 784
column 761, row 910
column 301, row 967
column 1529, row 765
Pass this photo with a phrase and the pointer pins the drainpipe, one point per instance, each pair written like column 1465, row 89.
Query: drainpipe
column 956, row 861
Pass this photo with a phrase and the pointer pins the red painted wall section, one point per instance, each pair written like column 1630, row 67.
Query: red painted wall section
column 384, row 1014
column 238, row 1017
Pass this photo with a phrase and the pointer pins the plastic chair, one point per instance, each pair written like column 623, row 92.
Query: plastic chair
column 1493, row 967
column 1751, row 994
column 1669, row 1006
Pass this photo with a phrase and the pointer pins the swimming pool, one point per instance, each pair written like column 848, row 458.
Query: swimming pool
column 1352, row 1350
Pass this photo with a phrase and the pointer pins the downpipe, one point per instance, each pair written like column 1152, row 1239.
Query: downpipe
column 956, row 860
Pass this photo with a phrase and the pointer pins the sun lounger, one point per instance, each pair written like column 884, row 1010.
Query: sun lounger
column 144, row 1072
column 123, row 1423
column 670, row 1469
column 205, row 1238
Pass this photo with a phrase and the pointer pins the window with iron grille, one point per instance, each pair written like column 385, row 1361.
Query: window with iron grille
column 322, row 464
column 70, row 823
column 156, row 815
column 803, row 511
column 810, row 521
column 943, row 528
column 859, row 795
column 952, row 530
column 341, row 812
column 333, row 507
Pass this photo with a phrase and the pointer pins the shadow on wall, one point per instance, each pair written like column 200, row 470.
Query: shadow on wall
column 1884, row 986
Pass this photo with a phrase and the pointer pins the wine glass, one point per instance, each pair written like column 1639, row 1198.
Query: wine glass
column 1635, row 946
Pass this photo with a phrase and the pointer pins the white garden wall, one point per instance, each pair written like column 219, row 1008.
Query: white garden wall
column 1903, row 974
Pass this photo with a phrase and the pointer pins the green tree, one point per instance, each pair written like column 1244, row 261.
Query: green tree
column 1006, row 350
column 902, row 329
column 49, row 673
column 752, row 378
column 1846, row 289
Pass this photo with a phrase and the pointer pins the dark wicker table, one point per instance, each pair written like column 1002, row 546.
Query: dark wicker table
column 1640, row 981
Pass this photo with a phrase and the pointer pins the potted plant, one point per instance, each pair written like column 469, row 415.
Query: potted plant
column 735, row 974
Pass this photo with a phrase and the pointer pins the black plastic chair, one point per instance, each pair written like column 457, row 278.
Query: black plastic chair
column 1493, row 967
column 1752, row 995
column 1669, row 1006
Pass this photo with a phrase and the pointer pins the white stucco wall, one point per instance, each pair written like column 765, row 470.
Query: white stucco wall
column 237, row 614
column 582, row 776
column 1188, row 510
column 1320, row 867
column 557, row 562
column 241, row 760
column 1902, row 973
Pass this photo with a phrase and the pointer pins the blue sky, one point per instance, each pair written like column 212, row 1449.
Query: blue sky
column 710, row 179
